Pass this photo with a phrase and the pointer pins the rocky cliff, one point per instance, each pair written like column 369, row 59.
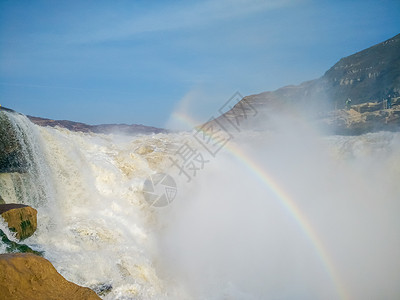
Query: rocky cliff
column 369, row 76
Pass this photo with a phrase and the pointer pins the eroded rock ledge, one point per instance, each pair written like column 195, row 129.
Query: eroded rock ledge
column 28, row 276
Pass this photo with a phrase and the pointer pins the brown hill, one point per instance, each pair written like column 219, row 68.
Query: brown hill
column 369, row 76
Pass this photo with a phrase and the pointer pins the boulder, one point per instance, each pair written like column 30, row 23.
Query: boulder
column 2, row 200
column 20, row 218
column 28, row 276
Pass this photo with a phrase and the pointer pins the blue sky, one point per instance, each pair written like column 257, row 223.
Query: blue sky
column 139, row 61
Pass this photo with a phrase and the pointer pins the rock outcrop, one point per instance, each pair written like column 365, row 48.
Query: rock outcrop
column 21, row 219
column 28, row 276
column 362, row 118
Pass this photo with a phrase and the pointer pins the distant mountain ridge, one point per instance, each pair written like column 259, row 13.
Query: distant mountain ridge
column 102, row 128
column 128, row 129
column 368, row 76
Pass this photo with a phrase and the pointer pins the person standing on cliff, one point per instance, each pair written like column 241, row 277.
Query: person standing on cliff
column 389, row 102
column 348, row 103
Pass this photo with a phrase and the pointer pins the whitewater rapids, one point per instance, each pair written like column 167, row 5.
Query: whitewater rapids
column 228, row 234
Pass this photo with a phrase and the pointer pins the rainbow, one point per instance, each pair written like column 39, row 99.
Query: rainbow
column 289, row 205
column 287, row 202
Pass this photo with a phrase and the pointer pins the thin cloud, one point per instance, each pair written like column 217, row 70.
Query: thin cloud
column 183, row 17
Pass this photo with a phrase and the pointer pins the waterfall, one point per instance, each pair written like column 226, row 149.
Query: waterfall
column 288, row 215
column 93, row 222
column 28, row 181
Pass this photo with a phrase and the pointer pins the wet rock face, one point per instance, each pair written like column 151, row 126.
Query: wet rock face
column 28, row 276
column 12, row 158
column 21, row 219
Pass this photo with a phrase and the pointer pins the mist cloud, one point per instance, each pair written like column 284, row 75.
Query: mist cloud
column 230, row 236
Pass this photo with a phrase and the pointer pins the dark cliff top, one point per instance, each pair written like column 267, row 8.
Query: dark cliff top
column 10, row 206
column 6, row 109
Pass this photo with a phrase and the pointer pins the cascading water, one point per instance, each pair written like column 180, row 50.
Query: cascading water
column 90, row 209
column 28, row 181
column 229, row 234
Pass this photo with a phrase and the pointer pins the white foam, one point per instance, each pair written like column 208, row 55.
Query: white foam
column 225, row 236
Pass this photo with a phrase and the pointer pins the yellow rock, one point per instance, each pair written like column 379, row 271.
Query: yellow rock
column 144, row 149
column 28, row 276
column 21, row 219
